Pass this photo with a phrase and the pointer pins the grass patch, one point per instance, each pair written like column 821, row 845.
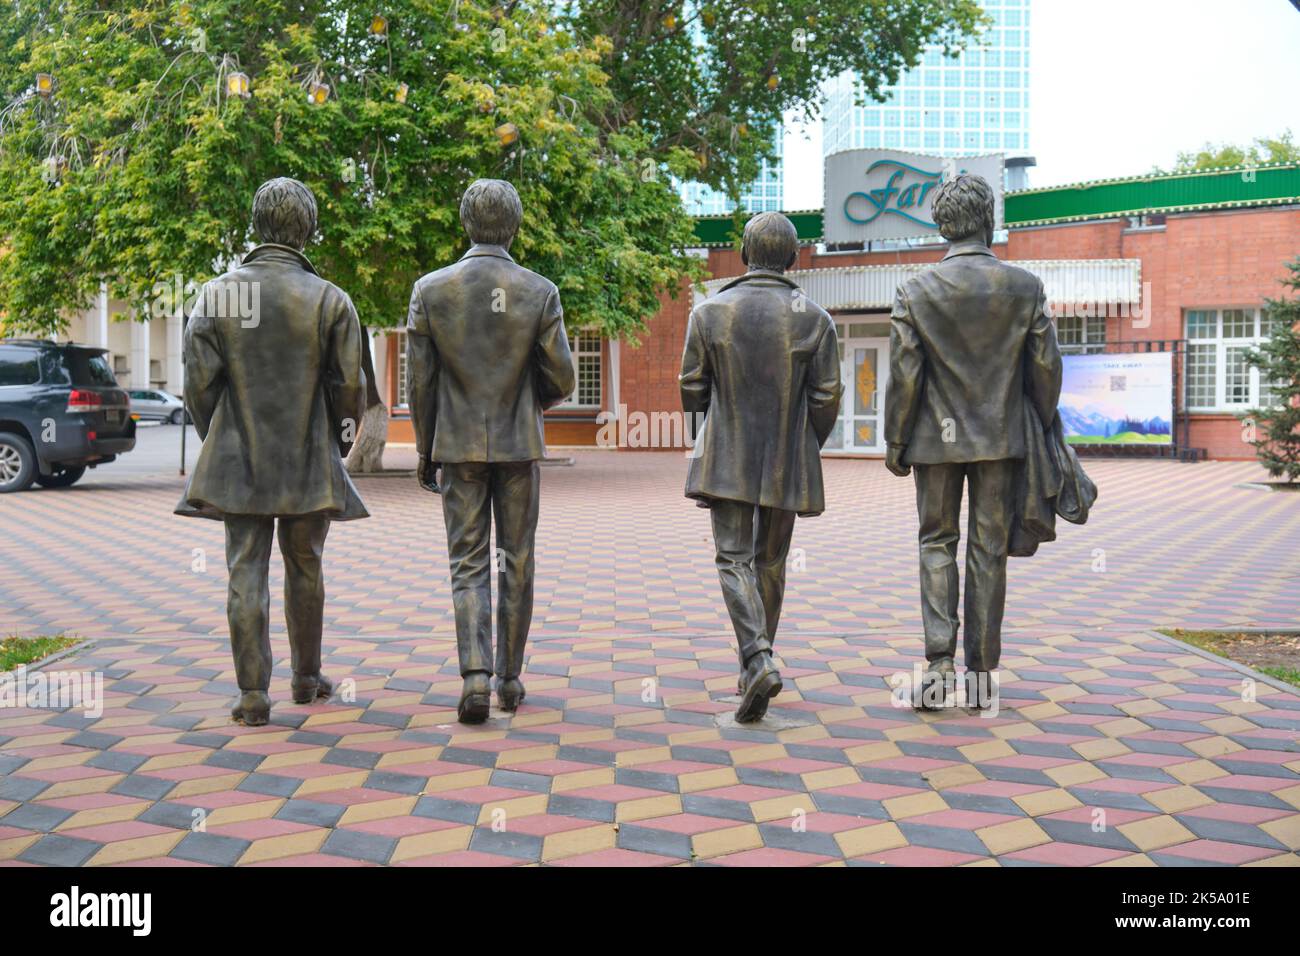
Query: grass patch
column 15, row 651
column 1277, row 655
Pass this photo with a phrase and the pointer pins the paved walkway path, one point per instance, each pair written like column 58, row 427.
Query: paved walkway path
column 1112, row 746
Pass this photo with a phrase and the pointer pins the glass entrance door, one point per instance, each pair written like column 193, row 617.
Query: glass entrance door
column 864, row 369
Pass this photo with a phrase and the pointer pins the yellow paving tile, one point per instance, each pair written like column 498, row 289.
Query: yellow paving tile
column 528, row 806
column 871, row 839
column 1073, row 774
column 1009, row 837
column 378, row 810
column 729, row 840
column 1194, row 771
column 141, row 848
column 1177, row 799
column 111, row 814
column 1100, row 748
column 290, row 844
column 647, row 807
column 1154, row 833
column 600, row 836
column 1046, row 801
column 900, row 808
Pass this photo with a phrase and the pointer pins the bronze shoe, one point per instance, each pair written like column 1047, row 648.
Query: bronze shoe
column 475, row 698
column 762, row 682
column 510, row 693
column 253, row 709
column 309, row 687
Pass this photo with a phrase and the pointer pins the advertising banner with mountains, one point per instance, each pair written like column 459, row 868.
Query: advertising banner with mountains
column 1118, row 399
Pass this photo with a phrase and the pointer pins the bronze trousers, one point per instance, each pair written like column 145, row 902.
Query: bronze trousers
column 938, row 502
column 752, row 544
column 473, row 495
column 248, row 606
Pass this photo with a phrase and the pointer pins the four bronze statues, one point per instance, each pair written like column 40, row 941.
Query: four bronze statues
column 975, row 369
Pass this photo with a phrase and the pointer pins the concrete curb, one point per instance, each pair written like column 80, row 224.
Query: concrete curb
column 1240, row 668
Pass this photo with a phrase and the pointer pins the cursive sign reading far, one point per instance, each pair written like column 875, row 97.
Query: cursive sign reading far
column 898, row 195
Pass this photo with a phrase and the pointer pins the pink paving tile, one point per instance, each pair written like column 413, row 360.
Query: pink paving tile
column 963, row 819
column 91, row 801
column 746, row 793
column 688, row 823
column 1067, row 854
column 1239, row 813
column 615, row 857
column 772, row 856
column 542, row 824
column 257, row 829
column 480, row 795
column 919, row 856
column 312, row 860
column 867, row 790
column 407, row 826
column 114, row 832
column 1248, row 782
column 460, row 858
column 999, row 788
column 1216, row 851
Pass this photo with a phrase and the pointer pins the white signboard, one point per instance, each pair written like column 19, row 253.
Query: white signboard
column 1120, row 399
column 888, row 193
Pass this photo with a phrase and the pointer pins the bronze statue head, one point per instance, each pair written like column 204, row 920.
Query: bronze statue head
column 769, row 242
column 491, row 212
column 963, row 209
column 284, row 212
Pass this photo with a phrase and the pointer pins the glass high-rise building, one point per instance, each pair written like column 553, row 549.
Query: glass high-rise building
column 975, row 103
column 764, row 194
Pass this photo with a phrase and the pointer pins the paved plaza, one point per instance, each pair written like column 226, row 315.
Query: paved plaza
column 1112, row 745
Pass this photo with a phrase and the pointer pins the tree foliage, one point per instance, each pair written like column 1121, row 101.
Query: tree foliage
column 1264, row 150
column 718, row 78
column 1277, row 423
column 142, row 165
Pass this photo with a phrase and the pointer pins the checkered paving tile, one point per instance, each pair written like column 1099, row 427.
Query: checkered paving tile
column 1112, row 746
column 1109, row 748
column 620, row 551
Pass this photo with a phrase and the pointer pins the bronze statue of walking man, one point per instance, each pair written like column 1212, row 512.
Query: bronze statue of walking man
column 273, row 380
column 762, row 366
column 487, row 353
column 971, row 341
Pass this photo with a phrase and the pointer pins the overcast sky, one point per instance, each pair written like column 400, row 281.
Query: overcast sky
column 1119, row 86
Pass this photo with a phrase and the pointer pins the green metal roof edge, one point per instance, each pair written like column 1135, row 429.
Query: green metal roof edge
column 1200, row 190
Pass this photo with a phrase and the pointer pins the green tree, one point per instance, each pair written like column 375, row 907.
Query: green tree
column 142, row 162
column 1277, row 422
column 1264, row 150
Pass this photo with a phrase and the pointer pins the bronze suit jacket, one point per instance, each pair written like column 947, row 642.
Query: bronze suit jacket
column 276, row 395
column 762, row 363
column 970, row 339
column 487, row 353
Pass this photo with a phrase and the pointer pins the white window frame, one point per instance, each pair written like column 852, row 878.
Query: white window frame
column 1090, row 331
column 1221, row 344
column 585, row 344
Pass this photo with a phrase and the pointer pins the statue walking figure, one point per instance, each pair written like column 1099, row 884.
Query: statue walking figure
column 487, row 353
column 273, row 380
column 762, row 366
column 971, row 342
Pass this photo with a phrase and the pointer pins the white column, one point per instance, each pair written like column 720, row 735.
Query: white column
column 379, row 356
column 175, row 370
column 139, row 353
column 97, row 321
column 614, row 391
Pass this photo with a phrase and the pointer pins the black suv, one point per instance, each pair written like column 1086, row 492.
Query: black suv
column 60, row 412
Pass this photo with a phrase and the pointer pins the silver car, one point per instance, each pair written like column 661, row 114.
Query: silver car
column 154, row 403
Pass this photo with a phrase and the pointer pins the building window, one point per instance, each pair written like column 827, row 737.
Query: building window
column 585, row 347
column 401, row 369
column 1218, row 341
column 1080, row 335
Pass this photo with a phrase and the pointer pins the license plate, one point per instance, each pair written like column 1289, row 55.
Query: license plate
column 114, row 417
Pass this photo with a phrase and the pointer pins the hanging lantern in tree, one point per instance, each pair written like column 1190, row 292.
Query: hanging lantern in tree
column 238, row 84
column 44, row 84
column 400, row 93
column 507, row 133
column 379, row 25
column 318, row 93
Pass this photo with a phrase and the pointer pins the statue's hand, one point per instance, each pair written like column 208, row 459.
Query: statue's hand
column 894, row 461
column 426, row 474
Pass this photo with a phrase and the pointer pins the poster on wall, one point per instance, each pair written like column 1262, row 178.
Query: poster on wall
column 1118, row 399
column 888, row 193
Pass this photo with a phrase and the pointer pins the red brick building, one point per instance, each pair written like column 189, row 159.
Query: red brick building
column 1179, row 264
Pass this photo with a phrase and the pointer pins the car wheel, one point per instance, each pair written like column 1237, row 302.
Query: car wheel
column 177, row 416
column 63, row 476
column 17, row 463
